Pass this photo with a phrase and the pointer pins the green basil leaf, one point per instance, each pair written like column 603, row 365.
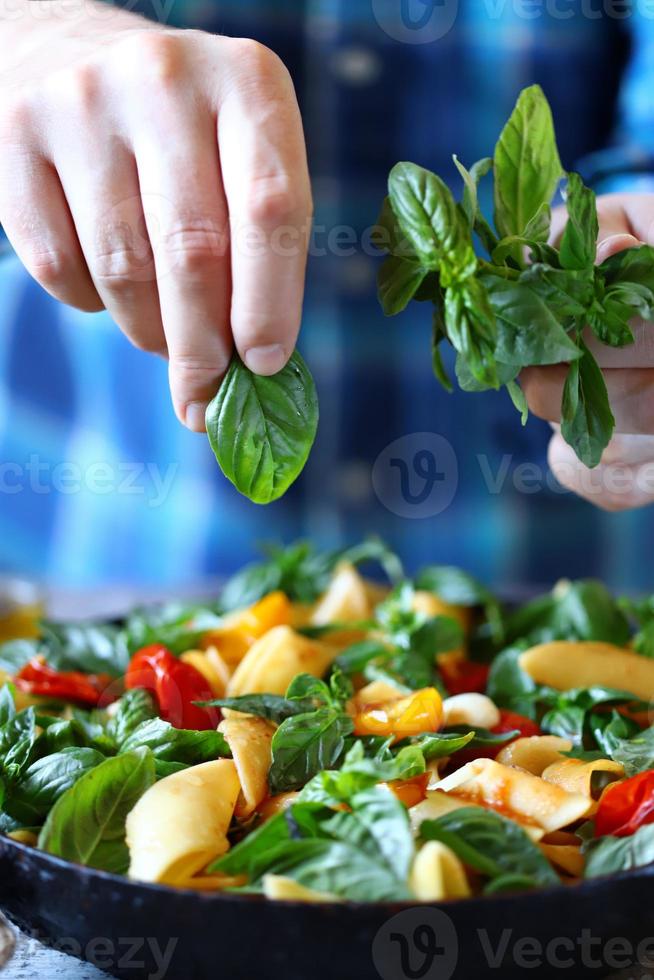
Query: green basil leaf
column 179, row 745
column 42, row 783
column 608, row 855
column 519, row 400
column 432, row 222
column 87, row 824
column 528, row 333
column 509, row 686
column 7, row 706
column 377, row 825
column 526, row 163
column 272, row 707
column 566, row 722
column 361, row 772
column 630, row 266
column 587, row 422
column 398, row 282
column 470, row 203
column 472, row 329
column 261, row 429
column 568, row 294
column 636, row 754
column 438, row 745
column 439, row 335
column 305, row 744
column 579, row 241
column 134, row 707
column 491, row 844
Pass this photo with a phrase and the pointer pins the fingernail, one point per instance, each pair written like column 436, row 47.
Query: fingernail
column 194, row 417
column 268, row 359
column 615, row 243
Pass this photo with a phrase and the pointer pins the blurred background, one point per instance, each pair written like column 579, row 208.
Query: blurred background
column 101, row 487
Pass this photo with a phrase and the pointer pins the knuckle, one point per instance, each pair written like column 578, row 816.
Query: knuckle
column 51, row 267
column 157, row 54
column 84, row 87
column 193, row 371
column 16, row 116
column 272, row 200
column 257, row 63
column 117, row 260
column 192, row 247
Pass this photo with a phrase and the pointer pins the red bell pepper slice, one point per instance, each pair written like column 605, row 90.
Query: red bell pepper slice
column 175, row 685
column 626, row 806
column 37, row 678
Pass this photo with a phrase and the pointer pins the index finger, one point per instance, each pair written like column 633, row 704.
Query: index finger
column 266, row 181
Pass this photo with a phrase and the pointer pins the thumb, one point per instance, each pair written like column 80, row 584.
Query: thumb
column 614, row 242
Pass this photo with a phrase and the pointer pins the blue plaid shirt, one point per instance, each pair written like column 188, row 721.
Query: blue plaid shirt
column 100, row 484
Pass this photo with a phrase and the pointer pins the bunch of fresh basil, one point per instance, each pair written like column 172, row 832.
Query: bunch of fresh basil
column 526, row 302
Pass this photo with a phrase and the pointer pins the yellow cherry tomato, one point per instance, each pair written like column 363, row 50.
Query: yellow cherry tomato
column 401, row 717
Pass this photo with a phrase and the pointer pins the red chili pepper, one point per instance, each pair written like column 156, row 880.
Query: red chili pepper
column 626, row 806
column 39, row 679
column 175, row 685
column 465, row 677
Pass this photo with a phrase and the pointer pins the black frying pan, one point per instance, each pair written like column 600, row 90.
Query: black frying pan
column 121, row 926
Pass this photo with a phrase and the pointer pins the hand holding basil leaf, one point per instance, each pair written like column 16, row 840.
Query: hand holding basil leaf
column 261, row 429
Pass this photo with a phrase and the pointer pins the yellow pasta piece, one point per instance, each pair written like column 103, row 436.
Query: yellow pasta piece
column 438, row 874
column 24, row 837
column 249, row 739
column 566, row 857
column 200, row 660
column 273, row 661
column 345, row 601
column 565, row 664
column 180, row 824
column 437, row 803
column 284, row 889
column 533, row 753
column 515, row 792
column 212, row 883
column 375, row 693
column 587, row 778
column 241, row 628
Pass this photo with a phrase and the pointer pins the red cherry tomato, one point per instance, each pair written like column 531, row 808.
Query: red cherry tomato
column 465, row 677
column 39, row 679
column 175, row 685
column 626, row 806
column 510, row 721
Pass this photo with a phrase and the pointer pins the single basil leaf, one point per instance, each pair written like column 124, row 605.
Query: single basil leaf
column 305, row 744
column 170, row 744
column 470, row 202
column 636, row 298
column 472, row 329
column 537, row 229
column 430, row 219
column 528, row 333
column 526, row 163
column 336, row 868
column 69, row 733
column 491, row 844
column 376, row 825
column 439, row 334
column 636, row 754
column 273, row 707
column 566, row 722
column 631, row 266
column 87, row 824
column 482, row 738
column 438, row 745
column 7, row 706
column 92, row 648
column 15, row 654
column 398, row 282
column 568, row 294
column 587, row 422
column 17, row 738
column 608, row 855
column 509, row 686
column 46, row 780
column 135, row 707
column 261, row 429
column 579, row 241
column 356, row 657
column 519, row 400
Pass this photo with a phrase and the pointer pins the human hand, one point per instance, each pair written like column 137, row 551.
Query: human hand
column 625, row 476
column 159, row 174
